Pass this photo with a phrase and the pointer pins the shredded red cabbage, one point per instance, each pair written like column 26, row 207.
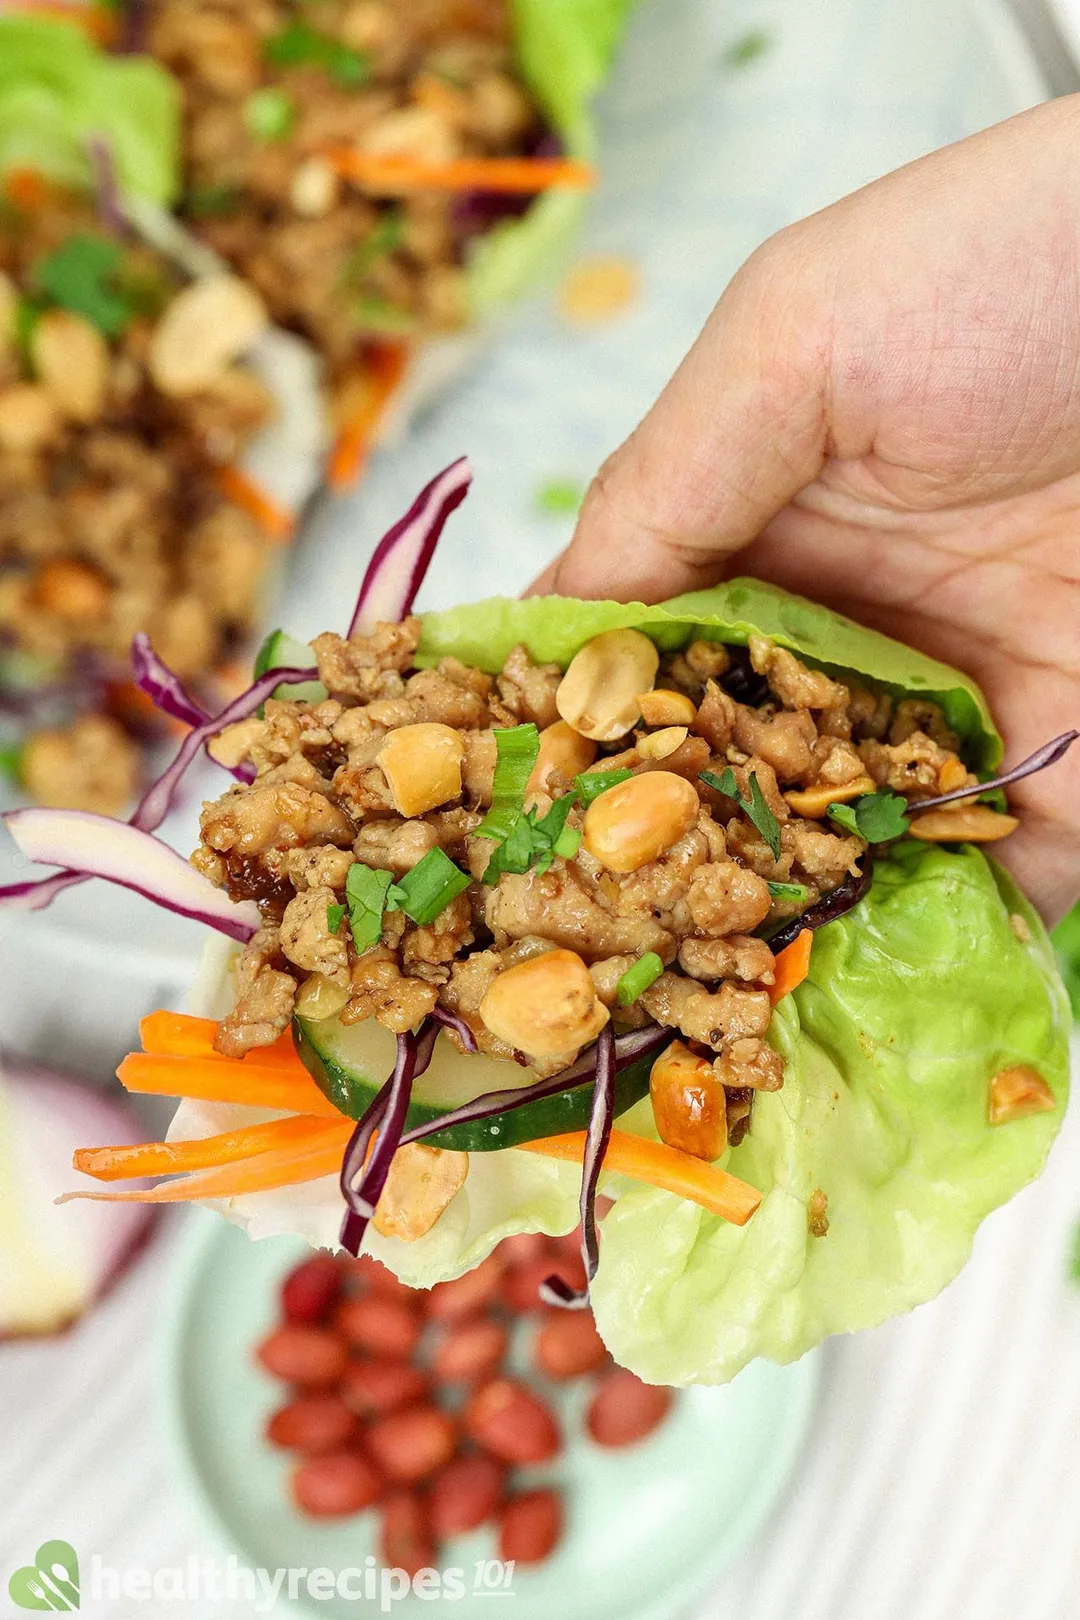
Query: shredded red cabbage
column 167, row 692
column 156, row 802
column 1048, row 754
column 396, row 571
column 845, row 897
column 363, row 1179
column 460, row 1028
column 554, row 1290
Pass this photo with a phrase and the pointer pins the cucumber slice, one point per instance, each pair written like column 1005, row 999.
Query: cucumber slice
column 282, row 651
column 350, row 1062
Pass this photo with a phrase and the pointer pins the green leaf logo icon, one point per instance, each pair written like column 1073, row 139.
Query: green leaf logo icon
column 51, row 1582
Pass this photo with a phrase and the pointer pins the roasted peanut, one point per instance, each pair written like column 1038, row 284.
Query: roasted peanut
column 664, row 708
column 813, row 802
column 380, row 1324
column 471, row 1352
column 659, row 744
column 564, row 753
column 311, row 1288
column 309, row 1356
column 635, row 822
column 465, row 1494
column 336, row 1485
column 28, row 417
column 545, row 1006
column 1018, row 1091
column 422, row 1182
column 530, row 1526
column 688, row 1103
column 71, row 359
column 461, row 1297
column 314, row 188
column 410, row 1445
column 963, row 824
column 568, row 1346
column 953, row 774
column 312, row 1423
column 207, row 326
column 510, row 1422
column 376, row 1385
column 422, row 764
column 624, row 1410
column 598, row 696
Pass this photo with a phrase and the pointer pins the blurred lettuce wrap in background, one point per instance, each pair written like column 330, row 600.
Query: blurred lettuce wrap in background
column 58, row 90
column 937, row 981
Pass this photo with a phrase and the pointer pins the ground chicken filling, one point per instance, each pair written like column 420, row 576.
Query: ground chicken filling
column 397, row 763
column 271, row 87
column 121, row 401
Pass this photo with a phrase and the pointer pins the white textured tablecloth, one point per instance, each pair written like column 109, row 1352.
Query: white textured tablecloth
column 942, row 1480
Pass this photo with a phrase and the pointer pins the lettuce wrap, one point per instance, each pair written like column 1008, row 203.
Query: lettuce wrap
column 1066, row 938
column 940, row 978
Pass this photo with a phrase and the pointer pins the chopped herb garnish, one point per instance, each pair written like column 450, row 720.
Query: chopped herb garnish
column 559, row 497
column 754, row 808
column 428, row 888
column 81, row 275
column 11, row 762
column 382, row 239
column 334, row 915
column 269, row 114
column 366, row 888
column 637, row 979
column 797, row 892
column 383, row 316
column 299, row 45
column 535, row 841
column 209, row 202
column 590, row 784
column 516, row 748
column 877, row 817
column 27, row 315
column 746, row 49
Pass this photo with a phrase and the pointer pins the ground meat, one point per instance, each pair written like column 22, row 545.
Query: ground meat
column 703, row 1016
column 394, row 845
column 435, row 696
column 747, row 1061
column 378, row 989
column 558, row 905
column 912, row 767
column 306, row 939
column 784, row 741
column 725, row 898
column 264, row 1001
column 364, row 791
column 716, row 718
column 794, row 684
column 247, row 821
column 439, row 942
column 836, row 762
column 466, row 988
column 356, row 669
column 824, row 857
column 318, row 866
column 920, row 714
column 737, row 957
column 90, row 765
column 528, row 690
column 292, row 728
column 656, row 889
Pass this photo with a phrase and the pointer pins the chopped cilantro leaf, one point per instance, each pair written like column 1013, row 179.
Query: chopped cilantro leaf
column 81, row 276
column 299, row 45
column 269, row 114
column 796, row 892
column 877, row 817
column 754, row 808
column 365, row 891
column 334, row 915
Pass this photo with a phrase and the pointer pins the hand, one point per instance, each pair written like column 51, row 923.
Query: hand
column 883, row 413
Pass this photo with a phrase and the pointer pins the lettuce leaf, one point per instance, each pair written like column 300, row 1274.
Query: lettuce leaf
column 564, row 50
column 554, row 627
column 1066, row 937
column 57, row 89
column 914, row 1001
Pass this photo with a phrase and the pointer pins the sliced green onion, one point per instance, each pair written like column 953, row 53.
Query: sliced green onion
column 590, row 784
column 568, row 843
column 429, row 887
column 789, row 891
column 299, row 45
column 517, row 748
column 269, row 114
column 366, row 888
column 334, row 915
column 637, row 979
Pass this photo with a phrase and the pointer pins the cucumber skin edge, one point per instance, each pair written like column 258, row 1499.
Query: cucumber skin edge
column 551, row 1116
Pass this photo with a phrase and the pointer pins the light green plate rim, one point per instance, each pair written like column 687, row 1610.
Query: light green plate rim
column 713, row 1473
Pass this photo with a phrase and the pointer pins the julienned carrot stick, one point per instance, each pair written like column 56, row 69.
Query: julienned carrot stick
column 526, row 176
column 237, row 487
column 215, row 1080
column 175, row 1158
column 282, row 1167
column 792, row 966
column 180, row 1035
column 662, row 1166
column 386, row 368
